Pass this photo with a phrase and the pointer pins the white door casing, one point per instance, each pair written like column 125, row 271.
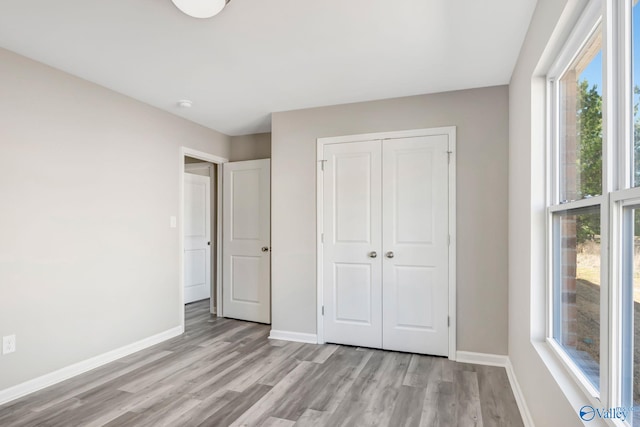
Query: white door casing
column 352, row 243
column 197, row 237
column 417, row 224
column 415, row 240
column 246, row 288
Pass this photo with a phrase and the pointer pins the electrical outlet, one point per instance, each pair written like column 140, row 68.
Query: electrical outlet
column 8, row 344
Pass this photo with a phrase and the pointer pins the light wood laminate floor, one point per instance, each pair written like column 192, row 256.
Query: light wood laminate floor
column 225, row 372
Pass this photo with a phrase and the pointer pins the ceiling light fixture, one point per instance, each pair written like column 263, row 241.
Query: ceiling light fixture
column 185, row 103
column 201, row 8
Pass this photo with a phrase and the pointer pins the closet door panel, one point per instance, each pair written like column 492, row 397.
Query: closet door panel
column 415, row 244
column 352, row 227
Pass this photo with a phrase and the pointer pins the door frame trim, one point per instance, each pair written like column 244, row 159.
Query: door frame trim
column 206, row 157
column 450, row 131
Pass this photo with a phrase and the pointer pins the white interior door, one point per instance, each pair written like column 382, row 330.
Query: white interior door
column 386, row 244
column 197, row 237
column 246, row 287
column 415, row 241
column 352, row 243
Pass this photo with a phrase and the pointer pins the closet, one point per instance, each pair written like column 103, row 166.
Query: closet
column 385, row 243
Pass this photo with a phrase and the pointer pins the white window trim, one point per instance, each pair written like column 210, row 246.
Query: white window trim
column 619, row 201
column 590, row 19
column 575, row 372
column 618, row 194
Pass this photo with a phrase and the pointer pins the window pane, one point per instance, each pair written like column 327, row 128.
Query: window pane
column 580, row 124
column 577, row 287
column 636, row 92
column 631, row 311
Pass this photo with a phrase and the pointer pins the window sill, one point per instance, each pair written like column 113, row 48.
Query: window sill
column 571, row 386
column 574, row 372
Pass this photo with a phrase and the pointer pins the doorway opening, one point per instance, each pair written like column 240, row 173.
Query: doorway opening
column 200, row 225
column 225, row 241
column 200, row 204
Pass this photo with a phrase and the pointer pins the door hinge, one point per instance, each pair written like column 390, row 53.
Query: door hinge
column 321, row 237
column 448, row 321
column 322, row 162
column 449, row 153
column 449, row 239
column 323, row 310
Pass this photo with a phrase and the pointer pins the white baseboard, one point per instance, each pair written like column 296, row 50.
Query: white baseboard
column 517, row 393
column 293, row 336
column 70, row 371
column 482, row 358
column 502, row 361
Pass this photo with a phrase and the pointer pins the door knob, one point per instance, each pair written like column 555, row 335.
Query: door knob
column 265, row 249
column 373, row 254
column 389, row 254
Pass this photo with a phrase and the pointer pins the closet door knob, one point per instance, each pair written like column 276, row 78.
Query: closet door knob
column 389, row 254
column 373, row 254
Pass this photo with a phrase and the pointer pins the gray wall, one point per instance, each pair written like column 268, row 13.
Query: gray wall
column 89, row 179
column 250, row 147
column 481, row 118
column 537, row 370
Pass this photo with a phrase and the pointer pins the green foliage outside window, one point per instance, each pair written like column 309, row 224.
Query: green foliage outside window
column 590, row 156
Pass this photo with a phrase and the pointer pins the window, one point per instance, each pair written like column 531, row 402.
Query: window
column 577, row 302
column 630, row 313
column 593, row 210
column 576, row 207
column 635, row 78
column 580, row 123
column 628, row 242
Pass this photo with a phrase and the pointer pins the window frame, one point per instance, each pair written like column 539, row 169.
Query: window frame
column 618, row 193
column 621, row 200
column 591, row 19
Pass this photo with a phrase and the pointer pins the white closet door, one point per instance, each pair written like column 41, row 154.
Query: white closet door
column 415, row 242
column 197, row 238
column 352, row 242
column 246, row 287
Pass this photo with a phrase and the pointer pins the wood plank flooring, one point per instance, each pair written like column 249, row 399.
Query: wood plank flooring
column 225, row 372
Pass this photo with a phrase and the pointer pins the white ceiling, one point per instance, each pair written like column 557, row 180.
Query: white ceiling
column 262, row 56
